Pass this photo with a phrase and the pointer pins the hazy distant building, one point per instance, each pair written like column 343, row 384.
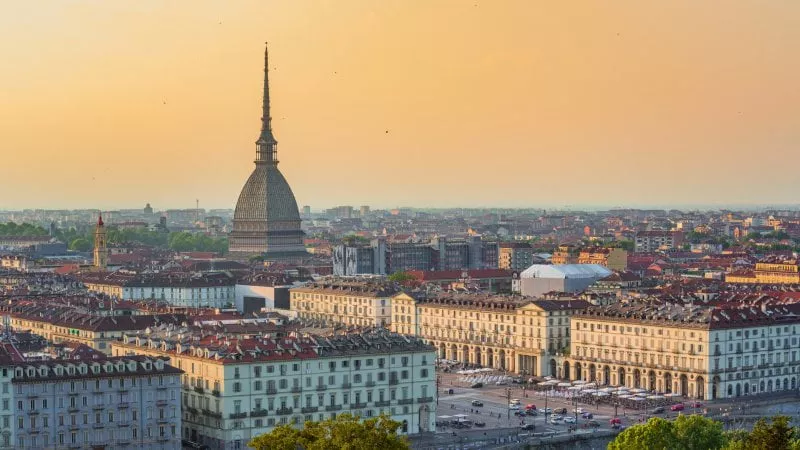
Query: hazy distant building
column 539, row 279
column 364, row 210
column 306, row 210
column 266, row 221
column 148, row 210
column 382, row 257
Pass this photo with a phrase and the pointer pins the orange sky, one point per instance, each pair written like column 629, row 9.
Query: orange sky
column 501, row 103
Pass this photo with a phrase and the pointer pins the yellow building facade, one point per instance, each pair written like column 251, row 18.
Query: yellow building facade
column 516, row 334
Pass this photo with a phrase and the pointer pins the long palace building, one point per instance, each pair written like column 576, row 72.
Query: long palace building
column 702, row 351
column 266, row 221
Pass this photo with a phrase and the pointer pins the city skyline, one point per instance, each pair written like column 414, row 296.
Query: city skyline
column 482, row 105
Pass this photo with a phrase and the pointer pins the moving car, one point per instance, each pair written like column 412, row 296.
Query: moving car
column 677, row 407
column 593, row 424
column 587, row 415
column 578, row 410
column 548, row 410
column 477, row 403
column 555, row 421
column 531, row 412
column 658, row 410
column 477, row 385
column 615, row 421
column 528, row 427
column 514, row 406
column 561, row 410
column 696, row 405
column 569, row 419
column 480, row 424
column 514, row 401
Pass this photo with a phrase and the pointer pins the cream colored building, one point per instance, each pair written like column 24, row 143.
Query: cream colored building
column 236, row 389
column 696, row 351
column 61, row 324
column 513, row 333
column 342, row 301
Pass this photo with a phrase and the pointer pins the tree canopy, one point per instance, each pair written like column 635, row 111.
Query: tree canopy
column 80, row 245
column 692, row 432
column 345, row 432
column 25, row 229
column 401, row 277
column 695, row 432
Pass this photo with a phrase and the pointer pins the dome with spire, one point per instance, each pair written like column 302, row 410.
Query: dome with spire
column 266, row 221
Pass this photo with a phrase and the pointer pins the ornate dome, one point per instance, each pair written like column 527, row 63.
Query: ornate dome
column 266, row 197
column 266, row 221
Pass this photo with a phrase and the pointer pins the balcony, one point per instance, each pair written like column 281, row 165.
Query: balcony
column 321, row 387
column 393, row 381
column 73, row 409
column 161, row 388
column 32, row 395
column 163, row 438
column 283, row 411
column 98, row 425
column 240, row 415
column 215, row 392
column 382, row 403
column 161, row 403
column 405, row 401
column 346, row 385
column 123, row 424
column 98, row 407
column 33, row 412
column 271, row 391
column 209, row 413
column 333, row 408
column 123, row 405
column 369, row 384
column 309, row 409
column 191, row 410
column 258, row 413
column 199, row 390
column 424, row 399
column 358, row 405
column 296, row 389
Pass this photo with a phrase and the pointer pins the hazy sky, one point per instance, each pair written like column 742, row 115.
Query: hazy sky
column 507, row 103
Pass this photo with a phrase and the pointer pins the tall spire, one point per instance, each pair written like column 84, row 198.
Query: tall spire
column 266, row 145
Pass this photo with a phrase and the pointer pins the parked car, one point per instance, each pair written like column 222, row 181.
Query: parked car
column 501, row 382
column 561, row 410
column 477, row 385
column 569, row 419
column 555, row 421
column 658, row 410
column 480, row 424
column 531, row 412
column 558, row 417
column 528, row 427
column 587, row 415
column 578, row 410
column 477, row 403
column 514, row 406
column 519, row 413
column 515, row 401
column 548, row 410
column 677, row 407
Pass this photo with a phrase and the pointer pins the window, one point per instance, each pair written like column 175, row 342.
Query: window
column 237, row 387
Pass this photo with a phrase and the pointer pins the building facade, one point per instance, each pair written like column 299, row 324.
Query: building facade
column 512, row 333
column 100, row 245
column 696, row 351
column 514, row 256
column 128, row 402
column 190, row 290
column 656, row 240
column 346, row 302
column 236, row 389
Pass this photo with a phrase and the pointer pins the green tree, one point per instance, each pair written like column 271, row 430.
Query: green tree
column 778, row 435
column 80, row 245
column 687, row 432
column 345, row 432
column 696, row 432
column 656, row 434
column 401, row 277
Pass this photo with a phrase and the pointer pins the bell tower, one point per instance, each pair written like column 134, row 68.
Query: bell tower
column 100, row 249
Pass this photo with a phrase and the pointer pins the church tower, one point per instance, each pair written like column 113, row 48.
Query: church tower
column 100, row 249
